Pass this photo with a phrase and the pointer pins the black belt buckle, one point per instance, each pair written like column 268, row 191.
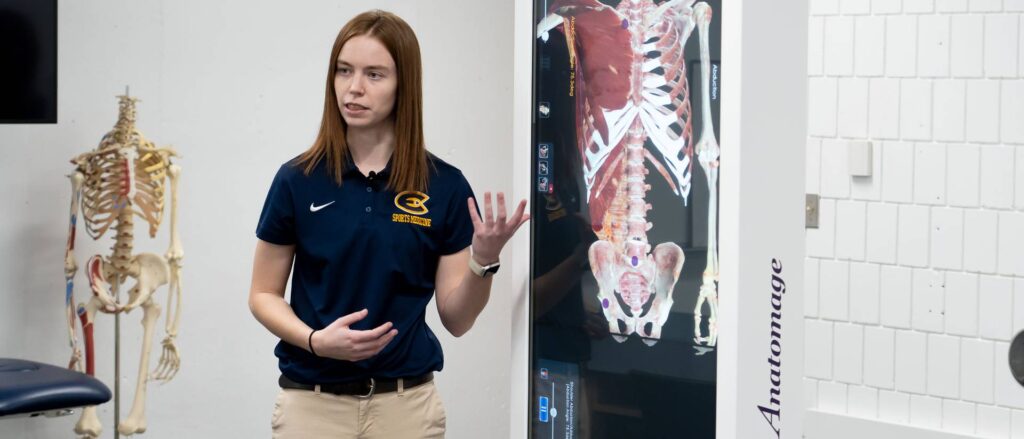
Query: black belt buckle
column 373, row 387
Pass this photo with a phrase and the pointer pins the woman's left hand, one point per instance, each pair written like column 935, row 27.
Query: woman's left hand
column 491, row 234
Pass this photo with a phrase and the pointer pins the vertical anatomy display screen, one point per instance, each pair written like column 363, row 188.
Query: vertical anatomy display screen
column 624, row 291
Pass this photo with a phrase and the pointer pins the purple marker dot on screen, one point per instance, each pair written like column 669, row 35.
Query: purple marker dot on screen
column 635, row 261
column 625, row 24
column 604, row 303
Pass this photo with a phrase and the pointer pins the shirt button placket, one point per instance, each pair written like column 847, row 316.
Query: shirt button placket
column 369, row 196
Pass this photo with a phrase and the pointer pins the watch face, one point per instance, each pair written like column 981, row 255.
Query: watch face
column 492, row 269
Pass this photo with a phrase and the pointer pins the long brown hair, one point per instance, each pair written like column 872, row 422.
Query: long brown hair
column 409, row 159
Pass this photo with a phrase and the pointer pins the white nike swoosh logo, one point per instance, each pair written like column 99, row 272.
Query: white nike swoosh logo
column 314, row 208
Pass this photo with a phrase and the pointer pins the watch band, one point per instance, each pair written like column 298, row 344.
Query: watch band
column 483, row 270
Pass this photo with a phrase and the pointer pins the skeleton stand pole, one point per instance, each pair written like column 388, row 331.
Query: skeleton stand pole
column 117, row 349
column 116, row 289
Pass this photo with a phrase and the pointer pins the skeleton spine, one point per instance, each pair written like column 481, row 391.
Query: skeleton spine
column 122, row 257
column 636, row 189
column 636, row 174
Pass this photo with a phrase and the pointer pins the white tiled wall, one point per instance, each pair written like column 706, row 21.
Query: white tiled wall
column 915, row 276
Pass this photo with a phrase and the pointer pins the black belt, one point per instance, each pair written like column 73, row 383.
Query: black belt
column 364, row 388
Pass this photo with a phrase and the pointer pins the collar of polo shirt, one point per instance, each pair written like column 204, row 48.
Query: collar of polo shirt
column 350, row 167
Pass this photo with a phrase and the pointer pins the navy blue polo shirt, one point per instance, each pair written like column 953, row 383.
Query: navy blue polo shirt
column 362, row 245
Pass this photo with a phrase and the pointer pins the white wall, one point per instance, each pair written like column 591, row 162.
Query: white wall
column 237, row 88
column 920, row 268
column 522, row 112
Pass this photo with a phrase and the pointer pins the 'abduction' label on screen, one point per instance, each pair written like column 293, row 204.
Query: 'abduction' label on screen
column 772, row 412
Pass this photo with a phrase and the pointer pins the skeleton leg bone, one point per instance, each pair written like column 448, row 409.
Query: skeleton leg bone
column 153, row 272
column 136, row 420
column 708, row 153
column 88, row 424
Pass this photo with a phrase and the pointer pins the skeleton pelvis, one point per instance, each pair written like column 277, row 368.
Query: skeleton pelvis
column 148, row 269
column 635, row 292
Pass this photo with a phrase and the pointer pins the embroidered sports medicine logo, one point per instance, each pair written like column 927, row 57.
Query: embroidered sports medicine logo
column 412, row 202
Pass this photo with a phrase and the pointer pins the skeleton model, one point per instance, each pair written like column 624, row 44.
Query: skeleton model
column 120, row 179
column 633, row 106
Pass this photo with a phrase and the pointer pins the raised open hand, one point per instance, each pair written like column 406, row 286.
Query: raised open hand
column 490, row 234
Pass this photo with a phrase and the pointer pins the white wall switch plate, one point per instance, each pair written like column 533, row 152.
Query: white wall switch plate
column 859, row 158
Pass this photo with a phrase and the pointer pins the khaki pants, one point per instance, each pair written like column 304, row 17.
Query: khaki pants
column 408, row 413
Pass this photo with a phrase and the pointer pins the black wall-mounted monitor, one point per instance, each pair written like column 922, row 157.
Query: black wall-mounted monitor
column 28, row 61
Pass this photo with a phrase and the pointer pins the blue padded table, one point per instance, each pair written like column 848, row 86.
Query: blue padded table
column 28, row 388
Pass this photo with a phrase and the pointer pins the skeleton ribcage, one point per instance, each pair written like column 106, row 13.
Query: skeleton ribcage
column 657, row 103
column 667, row 110
column 115, row 181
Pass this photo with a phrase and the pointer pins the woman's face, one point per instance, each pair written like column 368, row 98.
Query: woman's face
column 365, row 81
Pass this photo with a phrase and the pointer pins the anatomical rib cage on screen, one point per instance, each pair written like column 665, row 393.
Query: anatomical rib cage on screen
column 634, row 108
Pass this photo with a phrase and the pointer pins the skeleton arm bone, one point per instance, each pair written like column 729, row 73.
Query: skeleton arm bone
column 71, row 268
column 671, row 4
column 708, row 153
column 566, row 8
column 546, row 24
column 707, row 148
column 169, row 358
column 174, row 255
column 702, row 12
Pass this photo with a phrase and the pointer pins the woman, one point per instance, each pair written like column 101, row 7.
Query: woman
column 374, row 225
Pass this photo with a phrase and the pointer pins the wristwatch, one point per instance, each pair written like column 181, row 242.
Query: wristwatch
column 483, row 270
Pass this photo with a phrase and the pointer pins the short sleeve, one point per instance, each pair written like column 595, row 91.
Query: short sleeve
column 458, row 225
column 277, row 220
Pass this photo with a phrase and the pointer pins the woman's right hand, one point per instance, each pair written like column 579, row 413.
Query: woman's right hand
column 340, row 342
